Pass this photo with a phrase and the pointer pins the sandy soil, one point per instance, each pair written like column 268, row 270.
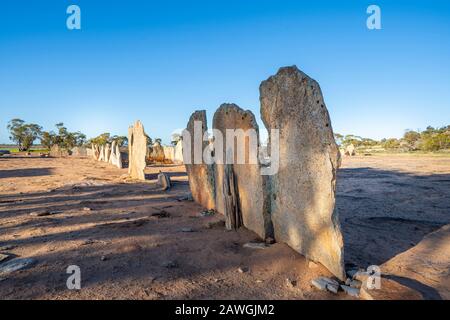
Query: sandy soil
column 130, row 239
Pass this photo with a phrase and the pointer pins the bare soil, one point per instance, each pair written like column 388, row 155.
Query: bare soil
column 130, row 238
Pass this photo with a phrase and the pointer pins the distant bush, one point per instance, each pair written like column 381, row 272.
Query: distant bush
column 429, row 140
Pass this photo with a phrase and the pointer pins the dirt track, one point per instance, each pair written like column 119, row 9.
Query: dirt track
column 131, row 243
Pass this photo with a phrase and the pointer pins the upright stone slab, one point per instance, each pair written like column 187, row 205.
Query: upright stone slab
column 116, row 156
column 201, row 175
column 112, row 156
column 303, row 191
column 157, row 153
column 350, row 150
column 169, row 153
column 249, row 183
column 107, row 152
column 95, row 151
column 119, row 161
column 178, row 156
column 137, row 146
column 102, row 154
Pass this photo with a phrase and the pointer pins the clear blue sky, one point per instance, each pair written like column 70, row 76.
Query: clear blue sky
column 160, row 60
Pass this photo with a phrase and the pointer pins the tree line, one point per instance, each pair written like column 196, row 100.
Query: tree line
column 24, row 135
column 429, row 140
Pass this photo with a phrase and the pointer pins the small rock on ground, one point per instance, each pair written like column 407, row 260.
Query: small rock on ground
column 291, row 283
column 255, row 245
column 3, row 257
column 353, row 292
column 243, row 269
column 170, row 265
column 40, row 214
column 16, row 265
column 326, row 284
column 7, row 248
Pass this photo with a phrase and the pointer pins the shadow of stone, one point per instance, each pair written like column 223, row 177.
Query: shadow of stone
column 428, row 293
column 20, row 173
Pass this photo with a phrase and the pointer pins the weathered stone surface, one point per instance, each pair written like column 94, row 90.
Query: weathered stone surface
column 250, row 184
column 137, row 145
column 303, row 191
column 58, row 152
column 201, row 175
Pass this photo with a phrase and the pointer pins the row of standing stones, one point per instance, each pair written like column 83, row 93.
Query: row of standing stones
column 109, row 153
column 296, row 205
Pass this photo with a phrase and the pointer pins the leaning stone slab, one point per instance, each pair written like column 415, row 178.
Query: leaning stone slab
column 137, row 145
column 243, row 165
column 303, row 191
column 200, row 174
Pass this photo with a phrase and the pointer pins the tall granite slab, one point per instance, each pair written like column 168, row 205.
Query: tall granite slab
column 201, row 175
column 249, row 184
column 107, row 152
column 137, row 149
column 303, row 191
